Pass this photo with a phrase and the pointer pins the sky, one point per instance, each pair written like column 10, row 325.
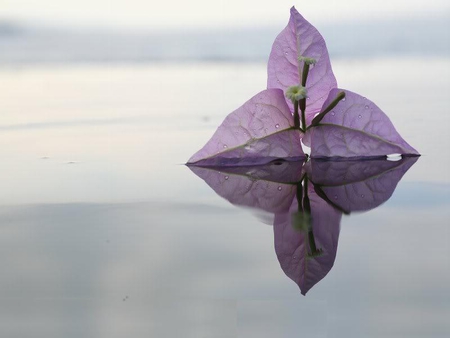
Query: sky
column 205, row 13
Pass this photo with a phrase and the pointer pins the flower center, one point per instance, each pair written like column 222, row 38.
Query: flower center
column 296, row 93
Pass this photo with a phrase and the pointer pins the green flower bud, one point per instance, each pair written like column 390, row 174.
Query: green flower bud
column 308, row 61
column 296, row 93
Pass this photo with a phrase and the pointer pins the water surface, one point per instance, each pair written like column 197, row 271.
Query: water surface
column 105, row 233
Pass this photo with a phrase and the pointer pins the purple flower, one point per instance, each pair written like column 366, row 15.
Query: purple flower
column 302, row 104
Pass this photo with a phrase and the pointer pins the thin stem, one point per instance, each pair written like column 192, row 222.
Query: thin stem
column 296, row 116
column 333, row 104
column 302, row 109
column 305, row 74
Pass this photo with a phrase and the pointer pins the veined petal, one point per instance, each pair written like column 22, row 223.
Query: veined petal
column 356, row 127
column 256, row 133
column 298, row 39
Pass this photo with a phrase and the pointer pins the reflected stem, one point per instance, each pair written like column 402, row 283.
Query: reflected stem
column 307, row 209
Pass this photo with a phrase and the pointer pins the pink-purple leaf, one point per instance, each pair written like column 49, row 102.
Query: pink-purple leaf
column 356, row 127
column 300, row 38
column 259, row 131
column 293, row 246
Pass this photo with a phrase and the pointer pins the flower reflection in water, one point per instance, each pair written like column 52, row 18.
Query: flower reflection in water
column 307, row 200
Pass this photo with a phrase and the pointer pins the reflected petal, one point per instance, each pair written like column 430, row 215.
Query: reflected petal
column 357, row 185
column 294, row 247
column 267, row 187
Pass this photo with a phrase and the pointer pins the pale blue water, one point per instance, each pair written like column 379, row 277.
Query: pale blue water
column 104, row 233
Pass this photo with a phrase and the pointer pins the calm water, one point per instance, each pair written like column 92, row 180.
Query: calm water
column 105, row 233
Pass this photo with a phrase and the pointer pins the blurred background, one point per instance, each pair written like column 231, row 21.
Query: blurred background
column 138, row 31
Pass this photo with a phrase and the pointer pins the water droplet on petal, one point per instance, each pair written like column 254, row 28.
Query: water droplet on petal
column 366, row 106
column 285, row 53
column 277, row 126
column 335, row 197
column 343, row 99
column 359, row 116
column 226, row 177
column 225, row 146
column 333, row 113
column 362, row 195
column 307, row 97
column 279, row 188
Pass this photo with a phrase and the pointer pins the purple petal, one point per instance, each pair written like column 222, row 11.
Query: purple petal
column 300, row 38
column 292, row 246
column 356, row 127
column 256, row 133
column 358, row 185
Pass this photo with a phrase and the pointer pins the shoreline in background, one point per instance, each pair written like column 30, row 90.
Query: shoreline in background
column 28, row 44
column 439, row 63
